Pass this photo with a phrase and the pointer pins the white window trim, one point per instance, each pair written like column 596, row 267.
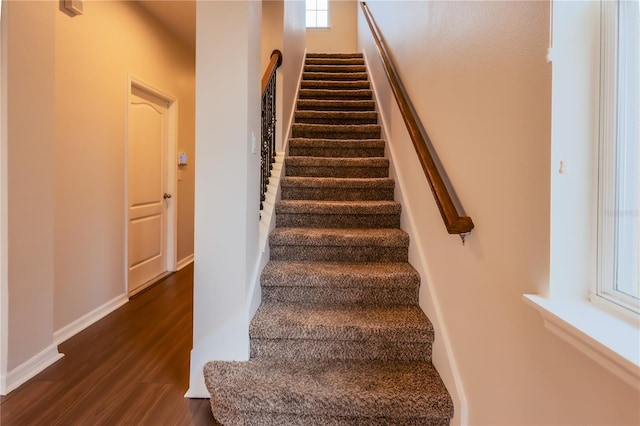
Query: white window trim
column 590, row 330
column 320, row 28
column 603, row 292
column 610, row 340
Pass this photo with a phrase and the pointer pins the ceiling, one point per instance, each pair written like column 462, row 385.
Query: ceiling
column 178, row 16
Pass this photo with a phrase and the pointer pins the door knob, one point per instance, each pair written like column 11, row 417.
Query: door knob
column 165, row 196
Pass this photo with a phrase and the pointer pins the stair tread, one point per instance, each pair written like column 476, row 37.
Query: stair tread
column 343, row 274
column 317, row 76
column 336, row 115
column 317, row 322
column 334, row 84
column 380, row 237
column 335, row 93
column 334, row 55
column 309, row 161
column 339, row 127
column 336, row 104
column 368, row 389
column 335, row 68
column 336, row 131
column 328, row 182
column 334, row 61
column 336, row 143
column 338, row 207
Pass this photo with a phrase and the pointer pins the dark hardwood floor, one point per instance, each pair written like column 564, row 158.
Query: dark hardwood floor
column 130, row 368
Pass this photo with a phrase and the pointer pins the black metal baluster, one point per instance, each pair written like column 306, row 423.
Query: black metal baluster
column 268, row 140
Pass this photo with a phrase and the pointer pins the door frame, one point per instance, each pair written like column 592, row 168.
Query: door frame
column 4, row 278
column 171, row 149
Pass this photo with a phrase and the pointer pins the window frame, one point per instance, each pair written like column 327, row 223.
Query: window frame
column 316, row 10
column 604, row 293
column 594, row 329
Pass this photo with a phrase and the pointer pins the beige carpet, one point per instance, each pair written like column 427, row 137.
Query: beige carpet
column 339, row 338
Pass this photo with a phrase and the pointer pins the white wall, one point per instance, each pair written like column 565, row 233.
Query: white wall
column 342, row 36
column 227, row 180
column 227, row 251
column 477, row 75
column 67, row 101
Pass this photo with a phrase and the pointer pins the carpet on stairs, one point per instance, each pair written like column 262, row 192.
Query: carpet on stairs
column 339, row 338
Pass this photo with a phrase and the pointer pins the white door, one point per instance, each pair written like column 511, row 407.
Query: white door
column 147, row 180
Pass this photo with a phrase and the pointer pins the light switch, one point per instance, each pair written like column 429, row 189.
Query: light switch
column 182, row 159
column 254, row 143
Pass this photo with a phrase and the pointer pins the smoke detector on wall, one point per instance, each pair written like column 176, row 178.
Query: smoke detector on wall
column 72, row 7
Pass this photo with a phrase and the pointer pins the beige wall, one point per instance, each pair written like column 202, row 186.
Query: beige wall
column 67, row 103
column 95, row 54
column 293, row 50
column 272, row 26
column 477, row 75
column 283, row 29
column 342, row 34
column 29, row 175
column 272, row 39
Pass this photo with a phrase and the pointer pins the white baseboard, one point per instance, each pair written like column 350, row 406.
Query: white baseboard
column 184, row 262
column 29, row 369
column 86, row 320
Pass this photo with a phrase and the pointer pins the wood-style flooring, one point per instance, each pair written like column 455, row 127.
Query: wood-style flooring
column 129, row 368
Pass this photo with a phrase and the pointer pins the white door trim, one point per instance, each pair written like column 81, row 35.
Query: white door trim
column 171, row 184
column 4, row 281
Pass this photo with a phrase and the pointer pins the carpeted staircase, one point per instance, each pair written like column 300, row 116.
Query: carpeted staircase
column 339, row 338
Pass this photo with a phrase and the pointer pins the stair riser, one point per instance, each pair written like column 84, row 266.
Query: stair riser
column 307, row 274
column 341, row 295
column 339, row 253
column 315, row 55
column 297, row 349
column 335, row 120
column 304, row 131
column 335, row 105
column 338, row 172
column 331, row 76
column 232, row 417
column 334, row 61
column 335, row 94
column 356, row 152
column 336, row 194
column 306, row 220
column 335, row 68
column 335, row 84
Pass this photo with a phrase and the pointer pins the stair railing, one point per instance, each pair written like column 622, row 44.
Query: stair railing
column 268, row 142
column 455, row 224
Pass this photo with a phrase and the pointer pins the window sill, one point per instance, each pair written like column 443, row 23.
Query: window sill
column 611, row 342
column 318, row 28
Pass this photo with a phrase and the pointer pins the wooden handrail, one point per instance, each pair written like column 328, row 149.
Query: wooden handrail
column 274, row 63
column 454, row 223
